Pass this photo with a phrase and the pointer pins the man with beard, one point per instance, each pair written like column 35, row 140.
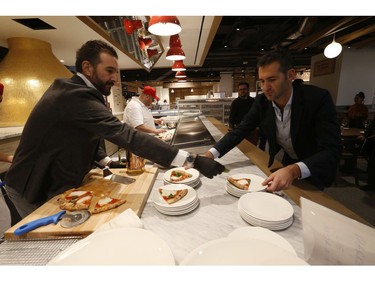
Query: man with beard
column 62, row 135
column 301, row 120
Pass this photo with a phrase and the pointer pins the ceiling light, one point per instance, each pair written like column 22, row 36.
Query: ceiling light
column 178, row 65
column 131, row 25
column 333, row 49
column 172, row 91
column 175, row 54
column 181, row 80
column 151, row 53
column 144, row 43
column 175, row 41
column 192, row 90
column 164, row 25
column 180, row 74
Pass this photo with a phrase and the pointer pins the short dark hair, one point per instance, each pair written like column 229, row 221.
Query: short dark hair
column 361, row 95
column 281, row 56
column 91, row 51
column 244, row 83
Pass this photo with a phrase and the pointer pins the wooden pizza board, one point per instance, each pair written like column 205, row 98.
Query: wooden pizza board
column 135, row 194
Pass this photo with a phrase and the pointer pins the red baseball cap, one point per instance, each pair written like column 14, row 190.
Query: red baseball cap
column 151, row 92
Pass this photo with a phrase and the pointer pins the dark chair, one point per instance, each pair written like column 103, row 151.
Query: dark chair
column 350, row 156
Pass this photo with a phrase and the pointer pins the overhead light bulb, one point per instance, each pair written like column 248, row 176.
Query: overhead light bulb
column 333, row 49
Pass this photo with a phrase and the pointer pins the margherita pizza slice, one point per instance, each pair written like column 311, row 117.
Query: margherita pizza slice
column 179, row 175
column 243, row 183
column 107, row 203
column 73, row 200
column 172, row 196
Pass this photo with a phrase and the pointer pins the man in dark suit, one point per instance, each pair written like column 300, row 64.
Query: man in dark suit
column 241, row 105
column 62, row 135
column 301, row 120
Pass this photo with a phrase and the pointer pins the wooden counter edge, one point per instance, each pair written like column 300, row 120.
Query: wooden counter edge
column 300, row 188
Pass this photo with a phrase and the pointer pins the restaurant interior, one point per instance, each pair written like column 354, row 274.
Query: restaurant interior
column 218, row 52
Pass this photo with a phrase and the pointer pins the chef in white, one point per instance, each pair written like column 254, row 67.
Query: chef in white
column 138, row 115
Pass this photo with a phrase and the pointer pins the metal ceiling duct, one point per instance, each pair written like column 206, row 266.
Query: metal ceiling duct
column 27, row 71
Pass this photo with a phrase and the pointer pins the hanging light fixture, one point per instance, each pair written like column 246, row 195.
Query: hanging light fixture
column 178, row 65
column 333, row 49
column 172, row 91
column 144, row 43
column 175, row 51
column 131, row 25
column 180, row 74
column 164, row 25
column 151, row 53
column 181, row 80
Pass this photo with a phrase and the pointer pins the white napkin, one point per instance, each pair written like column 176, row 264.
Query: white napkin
column 126, row 219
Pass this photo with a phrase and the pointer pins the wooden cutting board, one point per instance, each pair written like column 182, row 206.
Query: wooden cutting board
column 135, row 194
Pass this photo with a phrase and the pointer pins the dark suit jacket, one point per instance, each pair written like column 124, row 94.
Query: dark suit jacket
column 314, row 131
column 61, row 138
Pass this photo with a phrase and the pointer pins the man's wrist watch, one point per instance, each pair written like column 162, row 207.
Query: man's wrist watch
column 190, row 159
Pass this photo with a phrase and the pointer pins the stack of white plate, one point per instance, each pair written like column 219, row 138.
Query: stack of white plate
column 186, row 205
column 192, row 181
column 266, row 210
column 255, row 185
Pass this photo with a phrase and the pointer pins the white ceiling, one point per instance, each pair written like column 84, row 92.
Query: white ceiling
column 71, row 33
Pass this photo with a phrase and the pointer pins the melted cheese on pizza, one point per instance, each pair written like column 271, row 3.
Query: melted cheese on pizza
column 105, row 201
column 167, row 193
column 75, row 194
column 85, row 199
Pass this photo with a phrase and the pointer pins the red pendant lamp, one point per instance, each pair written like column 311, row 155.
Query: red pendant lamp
column 144, row 43
column 164, row 25
column 131, row 25
column 175, row 51
column 151, row 53
column 180, row 74
column 178, row 65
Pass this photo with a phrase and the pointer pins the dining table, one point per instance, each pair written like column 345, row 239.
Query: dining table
column 216, row 216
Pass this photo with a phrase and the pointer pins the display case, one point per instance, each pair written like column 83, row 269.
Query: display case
column 218, row 108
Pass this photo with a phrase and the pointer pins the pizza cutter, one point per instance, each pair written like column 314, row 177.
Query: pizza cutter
column 68, row 220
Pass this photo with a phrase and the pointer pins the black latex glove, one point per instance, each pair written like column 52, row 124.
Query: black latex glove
column 116, row 164
column 208, row 167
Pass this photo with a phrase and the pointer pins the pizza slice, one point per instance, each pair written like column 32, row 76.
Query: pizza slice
column 73, row 200
column 172, row 196
column 107, row 203
column 243, row 183
column 179, row 175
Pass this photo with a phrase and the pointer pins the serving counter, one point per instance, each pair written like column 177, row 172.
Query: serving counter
column 217, row 214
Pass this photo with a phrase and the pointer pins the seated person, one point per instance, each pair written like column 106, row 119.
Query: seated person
column 358, row 112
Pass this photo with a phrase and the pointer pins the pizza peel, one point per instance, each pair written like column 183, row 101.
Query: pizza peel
column 68, row 220
column 116, row 178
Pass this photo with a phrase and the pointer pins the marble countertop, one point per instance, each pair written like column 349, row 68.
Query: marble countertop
column 217, row 214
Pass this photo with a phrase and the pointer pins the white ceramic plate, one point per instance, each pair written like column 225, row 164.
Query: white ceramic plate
column 195, row 175
column 119, row 246
column 264, row 234
column 188, row 198
column 193, row 184
column 269, row 225
column 227, row 251
column 255, row 184
column 266, row 206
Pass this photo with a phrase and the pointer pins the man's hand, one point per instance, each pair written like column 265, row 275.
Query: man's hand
column 208, row 167
column 282, row 178
column 208, row 155
column 159, row 131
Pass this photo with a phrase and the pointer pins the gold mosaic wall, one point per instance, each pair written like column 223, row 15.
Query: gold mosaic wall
column 27, row 71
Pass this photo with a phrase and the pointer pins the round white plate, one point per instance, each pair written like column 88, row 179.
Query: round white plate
column 266, row 206
column 265, row 224
column 177, row 209
column 188, row 198
column 264, row 234
column 119, row 246
column 193, row 184
column 255, row 184
column 248, row 251
column 195, row 175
